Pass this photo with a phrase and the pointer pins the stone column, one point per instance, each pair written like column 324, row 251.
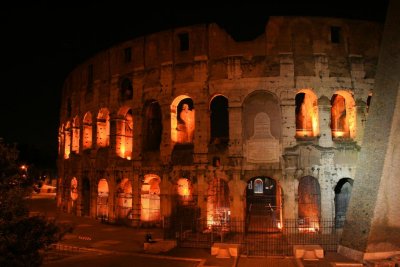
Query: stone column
column 137, row 134
column 235, row 129
column 360, row 123
column 324, row 118
column 201, row 132
column 237, row 197
column 289, row 186
column 166, row 146
column 93, row 197
column 372, row 226
column 165, row 197
column 111, row 199
column 117, row 134
column 288, row 198
column 136, row 201
column 288, row 123
column 324, row 176
column 202, row 187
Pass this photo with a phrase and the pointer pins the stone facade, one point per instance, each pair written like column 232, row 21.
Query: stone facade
column 285, row 111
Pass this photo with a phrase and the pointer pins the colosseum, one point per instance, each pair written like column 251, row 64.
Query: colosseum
column 190, row 125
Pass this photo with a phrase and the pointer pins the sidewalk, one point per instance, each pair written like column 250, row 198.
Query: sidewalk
column 93, row 235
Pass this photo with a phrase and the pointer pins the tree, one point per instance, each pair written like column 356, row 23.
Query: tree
column 23, row 238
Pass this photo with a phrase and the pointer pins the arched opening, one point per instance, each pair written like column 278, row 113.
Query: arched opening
column 342, row 197
column 103, row 128
column 67, row 140
column 343, row 115
column 185, row 210
column 74, row 195
column 87, row 131
column 184, row 191
column 102, row 200
column 309, row 204
column 219, row 120
column 263, row 205
column 306, row 114
column 124, row 134
column 182, row 120
column 124, row 200
column 85, row 196
column 126, row 89
column 76, row 135
column 152, row 126
column 218, row 204
column 150, row 199
column 74, row 189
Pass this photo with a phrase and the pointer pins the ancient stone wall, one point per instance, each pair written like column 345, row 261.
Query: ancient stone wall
column 259, row 79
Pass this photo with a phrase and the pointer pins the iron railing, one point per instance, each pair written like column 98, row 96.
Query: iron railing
column 262, row 237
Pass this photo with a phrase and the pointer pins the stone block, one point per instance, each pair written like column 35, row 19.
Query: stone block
column 308, row 252
column 223, row 249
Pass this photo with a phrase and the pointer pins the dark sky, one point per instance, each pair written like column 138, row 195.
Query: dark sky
column 44, row 41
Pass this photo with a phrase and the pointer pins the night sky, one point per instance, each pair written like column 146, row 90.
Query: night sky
column 43, row 42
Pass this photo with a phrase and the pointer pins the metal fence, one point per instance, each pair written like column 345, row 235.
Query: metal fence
column 261, row 238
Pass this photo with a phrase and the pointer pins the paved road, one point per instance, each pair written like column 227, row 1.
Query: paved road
column 116, row 245
column 123, row 246
column 115, row 260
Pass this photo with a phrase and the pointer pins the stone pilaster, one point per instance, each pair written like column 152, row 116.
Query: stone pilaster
column 165, row 197
column 288, row 123
column 237, row 191
column 324, row 118
column 360, row 121
column 235, row 129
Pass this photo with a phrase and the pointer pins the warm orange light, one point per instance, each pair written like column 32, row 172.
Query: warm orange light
column 67, row 138
column 87, row 131
column 279, row 225
column 102, row 188
column 74, row 189
column 150, row 199
column 128, row 158
column 304, row 133
column 312, row 227
column 23, row 167
column 307, row 115
column 337, row 133
column 183, row 187
column 343, row 115
column 122, row 150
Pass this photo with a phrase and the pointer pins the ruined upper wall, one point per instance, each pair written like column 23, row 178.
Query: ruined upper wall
column 304, row 37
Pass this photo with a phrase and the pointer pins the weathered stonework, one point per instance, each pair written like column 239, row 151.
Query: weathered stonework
column 372, row 228
column 259, row 79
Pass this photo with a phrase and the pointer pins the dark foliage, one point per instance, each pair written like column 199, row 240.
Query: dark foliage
column 23, row 238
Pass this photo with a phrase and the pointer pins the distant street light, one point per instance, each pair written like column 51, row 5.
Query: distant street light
column 24, row 171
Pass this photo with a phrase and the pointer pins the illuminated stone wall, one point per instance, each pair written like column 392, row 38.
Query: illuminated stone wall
column 129, row 122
